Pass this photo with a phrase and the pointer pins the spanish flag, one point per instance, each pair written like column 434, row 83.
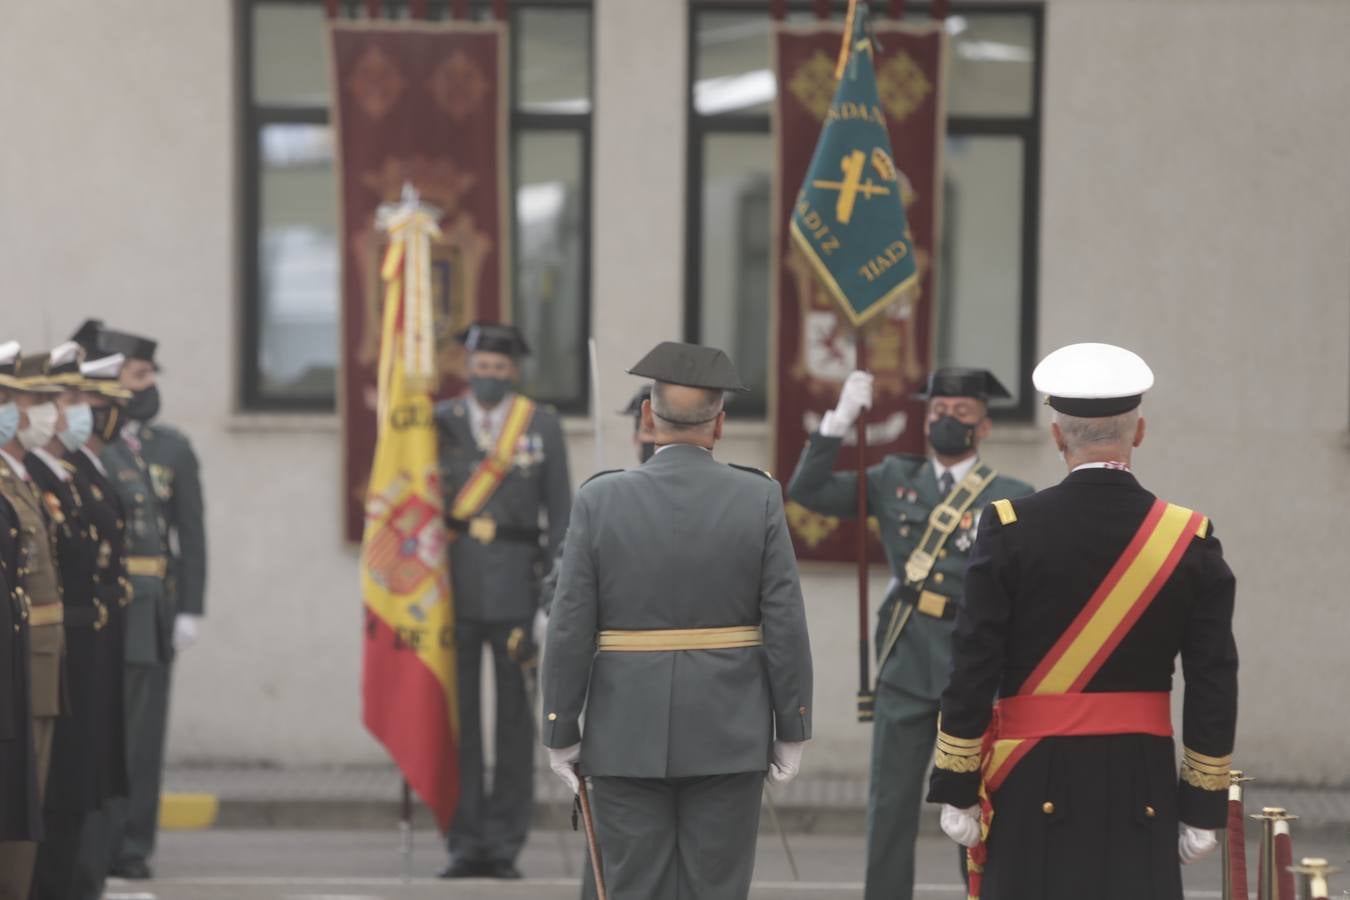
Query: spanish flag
column 408, row 690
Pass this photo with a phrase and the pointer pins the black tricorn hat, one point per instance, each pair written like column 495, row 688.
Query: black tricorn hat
column 634, row 407
column 87, row 336
column 493, row 337
column 954, row 381
column 98, row 340
column 691, row 365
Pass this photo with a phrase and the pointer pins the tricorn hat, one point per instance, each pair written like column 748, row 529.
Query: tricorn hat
column 691, row 365
column 493, row 337
column 955, row 381
column 634, row 407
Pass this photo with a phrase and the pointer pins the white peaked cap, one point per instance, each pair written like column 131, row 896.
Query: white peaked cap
column 1093, row 380
column 105, row 369
column 9, row 352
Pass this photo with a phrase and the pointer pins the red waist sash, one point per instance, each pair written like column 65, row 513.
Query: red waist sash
column 1030, row 716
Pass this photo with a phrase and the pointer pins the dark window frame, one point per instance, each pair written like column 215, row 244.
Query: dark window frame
column 254, row 116
column 1026, row 128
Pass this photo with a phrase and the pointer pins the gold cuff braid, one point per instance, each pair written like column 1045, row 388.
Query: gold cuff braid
column 948, row 762
column 1202, row 780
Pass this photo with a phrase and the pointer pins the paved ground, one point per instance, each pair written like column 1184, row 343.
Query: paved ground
column 224, row 864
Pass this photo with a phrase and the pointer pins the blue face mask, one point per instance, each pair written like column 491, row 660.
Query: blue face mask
column 9, row 422
column 79, row 425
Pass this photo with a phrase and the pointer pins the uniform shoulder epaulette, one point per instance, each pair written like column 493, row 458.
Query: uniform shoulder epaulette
column 1006, row 514
column 759, row 472
column 1204, row 528
column 599, row 474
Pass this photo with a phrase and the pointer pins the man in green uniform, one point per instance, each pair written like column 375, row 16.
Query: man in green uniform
column 40, row 582
column 678, row 625
column 158, row 480
column 927, row 509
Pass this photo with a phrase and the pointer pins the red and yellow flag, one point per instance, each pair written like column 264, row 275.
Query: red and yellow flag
column 408, row 690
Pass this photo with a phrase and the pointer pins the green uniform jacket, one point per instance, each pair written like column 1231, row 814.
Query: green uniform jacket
column 149, row 621
column 175, row 476
column 902, row 491
column 683, row 541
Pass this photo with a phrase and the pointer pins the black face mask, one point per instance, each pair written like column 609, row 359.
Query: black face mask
column 951, row 437
column 646, row 450
column 144, row 404
column 489, row 391
column 108, row 422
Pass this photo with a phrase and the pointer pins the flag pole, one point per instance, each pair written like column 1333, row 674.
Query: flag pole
column 405, row 831
column 865, row 697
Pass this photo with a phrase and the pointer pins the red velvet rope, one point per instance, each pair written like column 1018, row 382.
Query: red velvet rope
column 1237, row 849
column 1284, row 858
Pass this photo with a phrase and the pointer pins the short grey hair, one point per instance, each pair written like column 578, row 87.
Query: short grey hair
column 687, row 417
column 1080, row 433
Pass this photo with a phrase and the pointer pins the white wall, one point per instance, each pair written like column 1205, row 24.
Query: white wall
column 1195, row 206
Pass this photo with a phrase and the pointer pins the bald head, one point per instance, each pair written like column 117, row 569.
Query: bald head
column 684, row 415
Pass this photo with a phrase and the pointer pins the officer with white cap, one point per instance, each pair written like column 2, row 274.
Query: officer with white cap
column 1079, row 598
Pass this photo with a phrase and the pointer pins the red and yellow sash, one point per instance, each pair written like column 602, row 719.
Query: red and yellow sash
column 1079, row 654
column 485, row 480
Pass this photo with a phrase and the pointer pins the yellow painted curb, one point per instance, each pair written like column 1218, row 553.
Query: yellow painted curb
column 187, row 812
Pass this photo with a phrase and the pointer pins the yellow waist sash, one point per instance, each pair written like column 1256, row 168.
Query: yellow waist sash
column 659, row 639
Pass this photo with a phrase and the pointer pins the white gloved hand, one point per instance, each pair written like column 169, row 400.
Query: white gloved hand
column 853, row 399
column 1195, row 844
column 961, row 825
column 185, row 628
column 787, row 761
column 564, row 764
column 540, row 629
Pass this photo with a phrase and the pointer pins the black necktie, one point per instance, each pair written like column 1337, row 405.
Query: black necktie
column 945, row 484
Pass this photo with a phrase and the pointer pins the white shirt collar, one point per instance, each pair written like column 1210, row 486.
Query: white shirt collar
column 52, row 463
column 668, row 446
column 18, row 468
column 1117, row 466
column 93, row 458
column 959, row 471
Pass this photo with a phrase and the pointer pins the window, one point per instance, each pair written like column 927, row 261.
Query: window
column 990, row 193
column 290, row 209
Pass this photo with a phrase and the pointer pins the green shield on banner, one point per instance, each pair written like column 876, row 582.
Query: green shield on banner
column 849, row 217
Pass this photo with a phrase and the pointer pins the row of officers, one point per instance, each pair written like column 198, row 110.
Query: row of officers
column 102, row 575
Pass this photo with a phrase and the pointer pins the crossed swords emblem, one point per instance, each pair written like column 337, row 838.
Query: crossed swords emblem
column 852, row 184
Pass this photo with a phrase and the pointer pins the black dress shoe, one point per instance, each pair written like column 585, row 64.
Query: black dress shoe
column 505, row 870
column 131, row 869
column 465, row 868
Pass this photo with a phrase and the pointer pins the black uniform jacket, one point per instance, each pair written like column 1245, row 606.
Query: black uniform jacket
column 1092, row 816
column 72, row 784
column 103, row 508
column 20, row 814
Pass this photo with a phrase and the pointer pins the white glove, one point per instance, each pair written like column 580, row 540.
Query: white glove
column 540, row 628
column 185, row 627
column 1195, row 844
column 961, row 825
column 564, row 764
column 787, row 761
column 853, row 399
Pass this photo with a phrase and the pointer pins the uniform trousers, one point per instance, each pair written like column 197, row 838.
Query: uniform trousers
column 18, row 857
column 491, row 825
column 135, row 819
column 678, row 838
column 904, row 732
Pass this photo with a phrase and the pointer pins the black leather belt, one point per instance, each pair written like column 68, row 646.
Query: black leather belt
column 94, row 616
column 486, row 531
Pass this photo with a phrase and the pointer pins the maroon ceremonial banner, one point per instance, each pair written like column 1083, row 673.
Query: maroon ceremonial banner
column 425, row 104
column 813, row 343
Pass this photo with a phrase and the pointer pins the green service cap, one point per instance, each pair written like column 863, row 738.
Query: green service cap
column 690, row 365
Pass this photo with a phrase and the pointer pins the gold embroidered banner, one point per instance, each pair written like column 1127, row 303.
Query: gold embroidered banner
column 421, row 103
column 812, row 340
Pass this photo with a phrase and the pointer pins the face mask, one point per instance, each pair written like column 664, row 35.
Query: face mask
column 144, row 404
column 41, row 426
column 108, row 422
column 9, row 422
column 646, row 450
column 79, row 425
column 489, row 391
column 951, row 437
